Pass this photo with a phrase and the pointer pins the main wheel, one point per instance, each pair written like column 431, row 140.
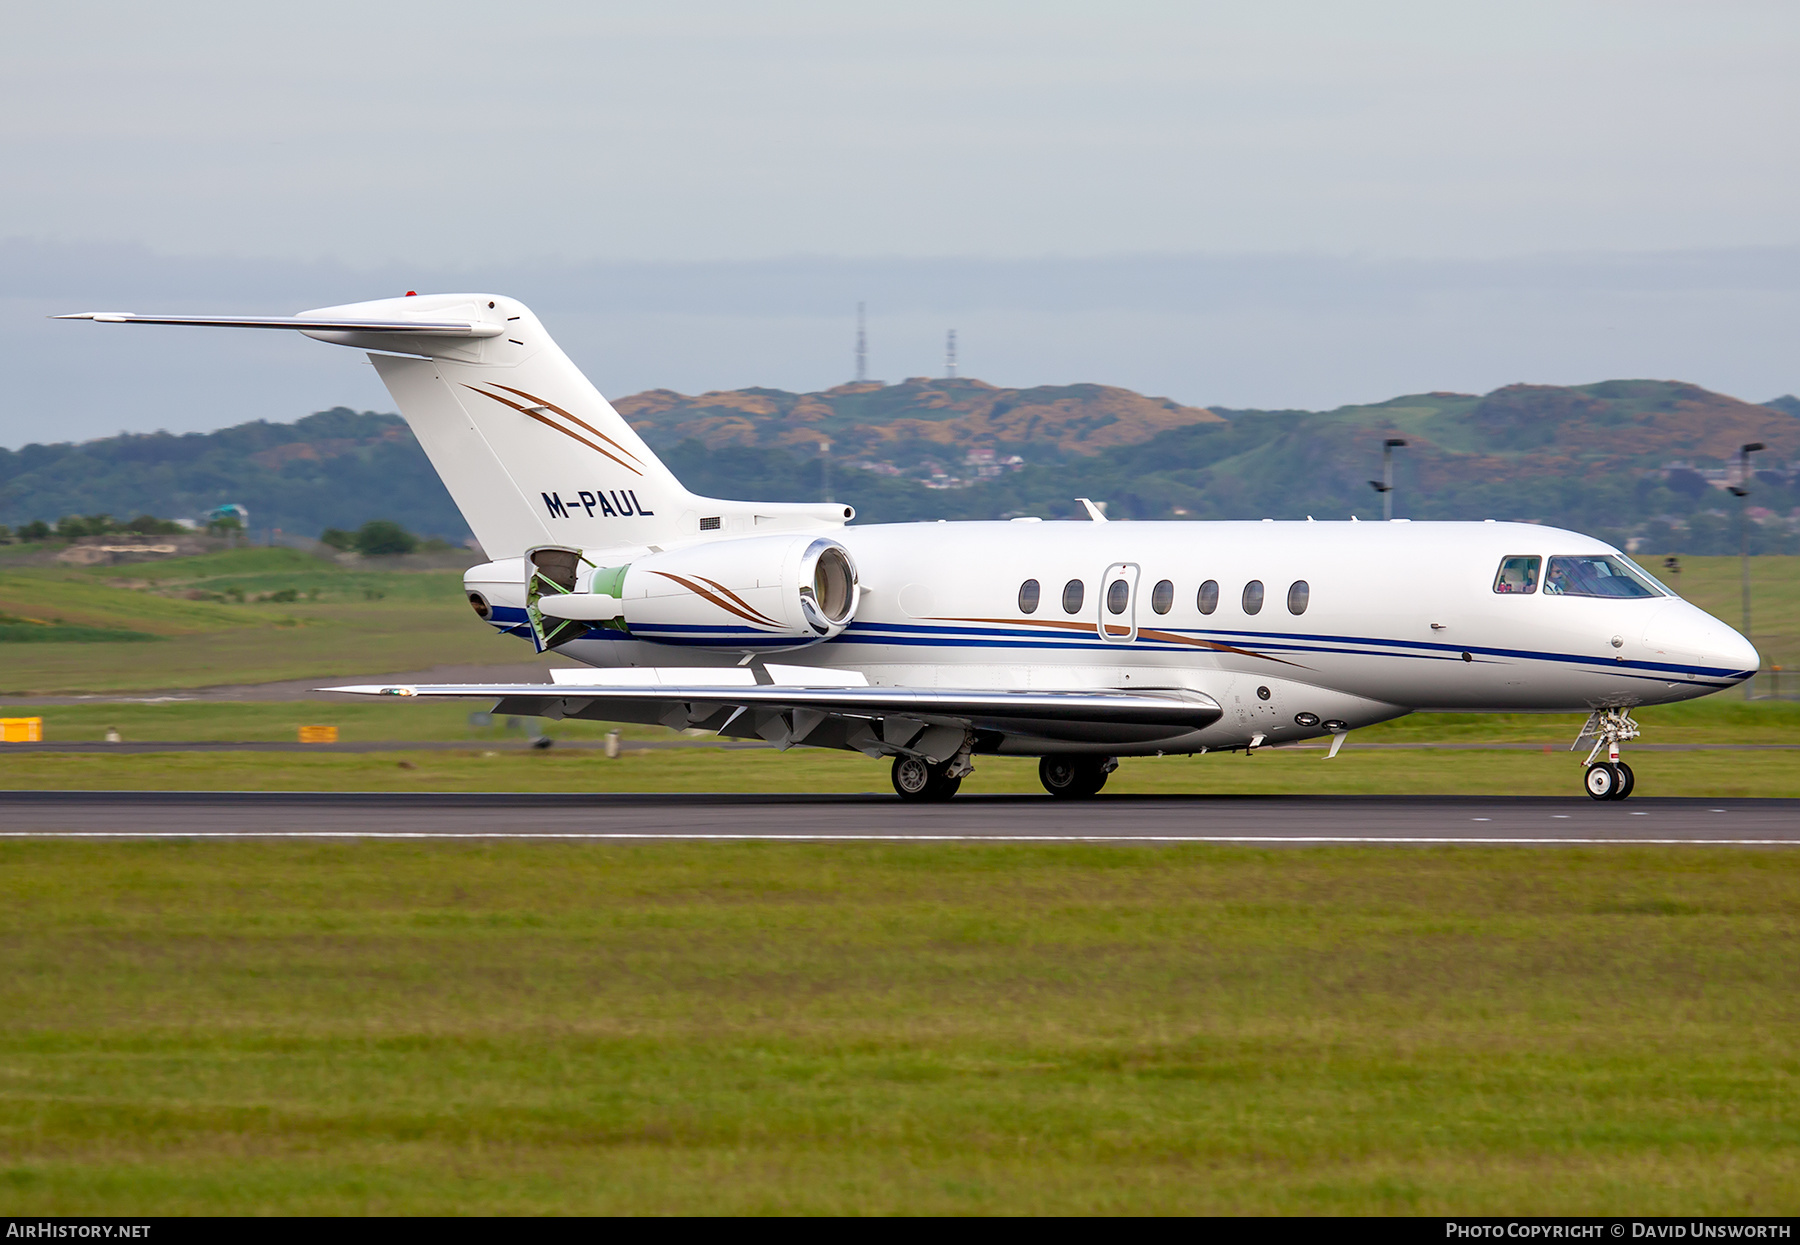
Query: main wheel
column 1072, row 778
column 1627, row 780
column 1602, row 781
column 917, row 779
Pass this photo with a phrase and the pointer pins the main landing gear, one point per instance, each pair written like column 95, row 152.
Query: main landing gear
column 1075, row 777
column 917, row 779
column 1610, row 779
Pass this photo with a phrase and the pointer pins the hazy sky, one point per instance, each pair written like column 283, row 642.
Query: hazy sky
column 1399, row 195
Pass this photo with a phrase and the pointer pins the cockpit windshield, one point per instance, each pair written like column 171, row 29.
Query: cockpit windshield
column 1598, row 575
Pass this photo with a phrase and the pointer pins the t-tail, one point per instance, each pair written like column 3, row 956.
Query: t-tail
column 531, row 452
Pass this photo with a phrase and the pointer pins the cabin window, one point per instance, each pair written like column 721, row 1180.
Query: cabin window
column 1073, row 592
column 1298, row 594
column 1253, row 597
column 1162, row 597
column 1518, row 574
column 1118, row 596
column 1598, row 575
column 1208, row 599
column 1028, row 597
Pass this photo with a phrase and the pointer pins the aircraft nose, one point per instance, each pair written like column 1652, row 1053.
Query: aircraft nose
column 1688, row 635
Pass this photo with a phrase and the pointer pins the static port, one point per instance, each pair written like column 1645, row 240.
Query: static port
column 479, row 604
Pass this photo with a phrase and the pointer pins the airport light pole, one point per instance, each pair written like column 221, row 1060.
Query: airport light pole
column 1742, row 493
column 1385, row 485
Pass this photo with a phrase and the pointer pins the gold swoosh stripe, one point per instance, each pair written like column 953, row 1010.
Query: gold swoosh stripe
column 723, row 604
column 550, row 423
column 1148, row 633
column 715, row 584
column 551, row 406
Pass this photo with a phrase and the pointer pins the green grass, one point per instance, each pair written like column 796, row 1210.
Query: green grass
column 342, row 621
column 359, row 719
column 1717, row 719
column 468, row 1028
column 1556, row 773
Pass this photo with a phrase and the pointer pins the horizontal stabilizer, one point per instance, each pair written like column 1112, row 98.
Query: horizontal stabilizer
column 419, row 328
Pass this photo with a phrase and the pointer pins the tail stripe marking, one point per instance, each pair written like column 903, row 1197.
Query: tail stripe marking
column 724, row 591
column 575, row 419
column 746, row 613
column 531, row 414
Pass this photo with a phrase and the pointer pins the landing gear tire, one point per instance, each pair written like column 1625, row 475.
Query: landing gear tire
column 918, row 780
column 1627, row 780
column 1073, row 778
column 1603, row 781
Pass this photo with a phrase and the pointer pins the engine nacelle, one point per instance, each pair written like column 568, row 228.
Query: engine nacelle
column 755, row 592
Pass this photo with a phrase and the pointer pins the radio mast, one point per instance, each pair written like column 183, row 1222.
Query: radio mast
column 950, row 356
column 862, row 347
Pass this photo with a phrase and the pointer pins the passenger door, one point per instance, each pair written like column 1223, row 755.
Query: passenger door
column 1117, row 604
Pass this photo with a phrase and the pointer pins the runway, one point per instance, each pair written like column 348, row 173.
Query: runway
column 1266, row 820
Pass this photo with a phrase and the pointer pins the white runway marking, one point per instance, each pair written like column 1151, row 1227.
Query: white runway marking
column 1447, row 840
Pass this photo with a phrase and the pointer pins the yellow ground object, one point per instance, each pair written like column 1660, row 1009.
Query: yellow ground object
column 318, row 734
column 21, row 730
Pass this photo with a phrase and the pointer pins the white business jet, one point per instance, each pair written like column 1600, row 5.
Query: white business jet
column 934, row 643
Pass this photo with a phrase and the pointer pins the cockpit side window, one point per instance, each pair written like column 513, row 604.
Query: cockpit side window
column 1597, row 575
column 1518, row 574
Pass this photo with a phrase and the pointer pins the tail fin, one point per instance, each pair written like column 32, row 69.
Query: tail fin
column 530, row 451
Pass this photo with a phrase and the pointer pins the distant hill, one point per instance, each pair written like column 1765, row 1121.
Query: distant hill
column 334, row 469
column 1625, row 459
column 912, row 421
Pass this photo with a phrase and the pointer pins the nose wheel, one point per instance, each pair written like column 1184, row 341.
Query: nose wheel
column 1610, row 779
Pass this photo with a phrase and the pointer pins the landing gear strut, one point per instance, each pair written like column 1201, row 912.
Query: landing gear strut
column 1075, row 777
column 916, row 779
column 1610, row 779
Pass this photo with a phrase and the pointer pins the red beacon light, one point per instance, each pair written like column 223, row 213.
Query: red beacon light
column 412, row 293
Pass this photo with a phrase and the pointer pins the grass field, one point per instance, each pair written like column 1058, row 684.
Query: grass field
column 340, row 620
column 1716, row 719
column 804, row 770
column 675, row 1028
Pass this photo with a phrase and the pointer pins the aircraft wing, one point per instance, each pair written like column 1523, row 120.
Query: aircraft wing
column 870, row 719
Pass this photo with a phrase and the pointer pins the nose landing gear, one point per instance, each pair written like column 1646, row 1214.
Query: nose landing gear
column 1610, row 779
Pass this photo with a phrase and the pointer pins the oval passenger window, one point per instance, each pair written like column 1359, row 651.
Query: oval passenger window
column 1117, row 596
column 1073, row 592
column 1162, row 597
column 1028, row 597
column 1208, row 600
column 1253, row 597
column 1298, row 593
